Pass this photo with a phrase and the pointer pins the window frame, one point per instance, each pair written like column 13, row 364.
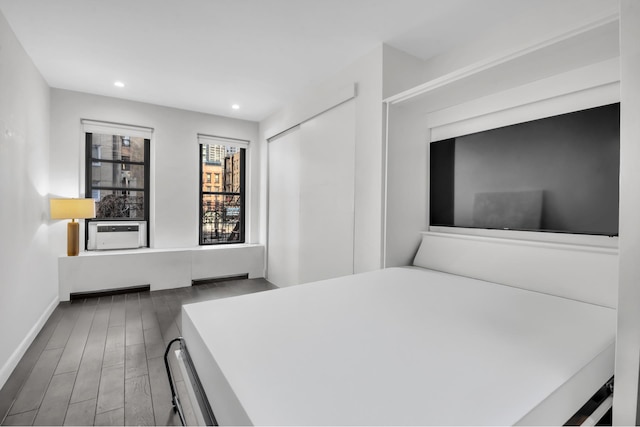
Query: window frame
column 91, row 161
column 241, row 194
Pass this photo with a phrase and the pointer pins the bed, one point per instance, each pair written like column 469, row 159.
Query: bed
column 400, row 346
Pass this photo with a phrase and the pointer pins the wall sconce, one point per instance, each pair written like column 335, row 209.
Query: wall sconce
column 72, row 209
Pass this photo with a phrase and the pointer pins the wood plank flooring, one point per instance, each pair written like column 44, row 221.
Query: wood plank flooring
column 99, row 361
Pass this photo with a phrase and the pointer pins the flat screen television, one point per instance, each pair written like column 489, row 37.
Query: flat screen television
column 556, row 174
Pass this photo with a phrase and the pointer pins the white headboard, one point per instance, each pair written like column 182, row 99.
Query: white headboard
column 583, row 273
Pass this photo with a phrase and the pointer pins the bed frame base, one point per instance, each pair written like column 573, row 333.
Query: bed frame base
column 203, row 412
column 593, row 412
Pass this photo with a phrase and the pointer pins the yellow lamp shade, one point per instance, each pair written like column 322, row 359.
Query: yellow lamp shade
column 72, row 208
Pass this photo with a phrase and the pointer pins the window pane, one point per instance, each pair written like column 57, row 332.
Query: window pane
column 117, row 175
column 232, row 173
column 221, row 218
column 209, row 169
column 117, row 147
column 221, row 161
column 119, row 204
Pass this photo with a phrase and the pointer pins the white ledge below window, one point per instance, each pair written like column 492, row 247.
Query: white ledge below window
column 163, row 268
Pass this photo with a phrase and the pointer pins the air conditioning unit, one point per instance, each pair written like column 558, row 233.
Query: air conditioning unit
column 105, row 235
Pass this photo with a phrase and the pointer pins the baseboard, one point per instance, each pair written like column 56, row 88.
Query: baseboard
column 196, row 282
column 15, row 357
column 109, row 292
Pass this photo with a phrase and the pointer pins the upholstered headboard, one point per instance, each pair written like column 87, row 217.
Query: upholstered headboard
column 583, row 273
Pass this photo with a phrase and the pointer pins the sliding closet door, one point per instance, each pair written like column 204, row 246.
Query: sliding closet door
column 284, row 207
column 311, row 199
column 327, row 194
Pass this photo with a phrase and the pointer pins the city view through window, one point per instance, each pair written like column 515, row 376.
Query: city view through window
column 118, row 179
column 118, row 176
column 222, row 194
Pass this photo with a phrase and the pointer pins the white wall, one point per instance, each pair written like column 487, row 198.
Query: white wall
column 407, row 202
column 550, row 18
column 366, row 72
column 284, row 209
column 28, row 269
column 628, row 338
column 400, row 71
column 174, row 158
column 174, row 198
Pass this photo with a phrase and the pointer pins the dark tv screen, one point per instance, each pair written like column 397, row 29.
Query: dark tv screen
column 557, row 174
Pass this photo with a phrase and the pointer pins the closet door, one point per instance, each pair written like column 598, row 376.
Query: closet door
column 311, row 199
column 327, row 165
column 284, row 207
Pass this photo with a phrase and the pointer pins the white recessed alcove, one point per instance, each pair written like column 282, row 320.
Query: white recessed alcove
column 569, row 71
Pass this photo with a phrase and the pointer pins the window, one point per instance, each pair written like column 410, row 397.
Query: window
column 117, row 176
column 222, row 213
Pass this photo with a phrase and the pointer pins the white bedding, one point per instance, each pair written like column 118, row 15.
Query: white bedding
column 402, row 346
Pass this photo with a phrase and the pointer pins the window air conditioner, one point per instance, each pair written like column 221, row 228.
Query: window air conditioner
column 116, row 235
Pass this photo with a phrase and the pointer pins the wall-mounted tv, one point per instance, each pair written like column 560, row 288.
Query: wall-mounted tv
column 557, row 174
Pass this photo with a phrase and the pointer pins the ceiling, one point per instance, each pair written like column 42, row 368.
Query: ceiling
column 205, row 55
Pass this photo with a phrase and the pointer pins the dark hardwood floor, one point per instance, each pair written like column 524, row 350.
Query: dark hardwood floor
column 99, row 361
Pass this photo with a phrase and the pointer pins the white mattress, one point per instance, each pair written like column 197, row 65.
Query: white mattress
column 402, row 346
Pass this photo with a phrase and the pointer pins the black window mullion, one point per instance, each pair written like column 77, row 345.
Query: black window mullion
column 88, row 180
column 147, row 183
column 219, row 193
column 242, row 194
column 201, row 203
column 88, row 172
column 96, row 187
column 122, row 162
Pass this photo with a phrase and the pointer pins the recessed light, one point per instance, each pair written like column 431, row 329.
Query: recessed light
column 118, row 84
column 235, row 106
